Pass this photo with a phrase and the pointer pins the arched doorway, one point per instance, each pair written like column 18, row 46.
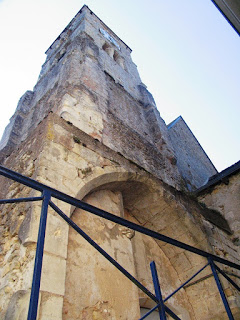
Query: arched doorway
column 95, row 289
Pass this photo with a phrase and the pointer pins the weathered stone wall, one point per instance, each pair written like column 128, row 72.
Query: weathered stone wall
column 16, row 259
column 95, row 289
column 66, row 158
column 90, row 80
column 87, row 86
column 91, row 129
column 224, row 197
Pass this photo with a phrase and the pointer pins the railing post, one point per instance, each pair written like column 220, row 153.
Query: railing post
column 162, row 313
column 220, row 288
column 33, row 304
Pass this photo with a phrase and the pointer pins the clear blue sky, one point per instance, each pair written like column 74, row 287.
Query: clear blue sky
column 186, row 52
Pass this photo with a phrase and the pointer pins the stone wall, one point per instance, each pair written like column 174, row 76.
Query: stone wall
column 95, row 289
column 86, row 86
column 66, row 158
column 16, row 259
column 192, row 161
column 91, row 129
column 224, row 197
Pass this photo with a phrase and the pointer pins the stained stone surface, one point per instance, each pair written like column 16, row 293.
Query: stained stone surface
column 91, row 129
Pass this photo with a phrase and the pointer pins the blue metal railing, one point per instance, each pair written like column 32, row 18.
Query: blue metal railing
column 46, row 198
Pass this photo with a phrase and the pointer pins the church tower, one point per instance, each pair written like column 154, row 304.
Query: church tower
column 91, row 129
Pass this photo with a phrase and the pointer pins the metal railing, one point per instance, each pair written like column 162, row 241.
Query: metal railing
column 49, row 193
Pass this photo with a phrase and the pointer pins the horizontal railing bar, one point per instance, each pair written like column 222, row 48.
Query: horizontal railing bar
column 186, row 282
column 227, row 277
column 108, row 257
column 143, row 230
column 101, row 213
column 23, row 179
column 2, row 201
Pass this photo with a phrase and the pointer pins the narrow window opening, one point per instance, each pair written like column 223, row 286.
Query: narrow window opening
column 107, row 48
column 119, row 59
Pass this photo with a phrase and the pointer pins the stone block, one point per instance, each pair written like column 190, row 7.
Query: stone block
column 196, row 260
column 72, row 187
column 161, row 222
column 53, row 171
column 86, row 154
column 63, row 137
column 77, row 161
column 181, row 263
column 53, row 185
column 82, row 112
column 51, row 307
column 53, row 274
column 63, row 206
column 18, row 306
column 56, row 236
column 169, row 250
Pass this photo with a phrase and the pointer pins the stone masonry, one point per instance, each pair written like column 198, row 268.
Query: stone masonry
column 91, row 129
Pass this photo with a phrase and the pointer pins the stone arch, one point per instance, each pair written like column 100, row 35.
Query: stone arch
column 147, row 203
column 94, row 182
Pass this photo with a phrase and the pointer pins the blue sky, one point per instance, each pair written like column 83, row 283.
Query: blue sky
column 186, row 52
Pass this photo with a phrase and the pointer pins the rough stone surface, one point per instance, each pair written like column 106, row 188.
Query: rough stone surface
column 74, row 162
column 91, row 129
column 94, row 288
column 224, row 197
column 87, row 87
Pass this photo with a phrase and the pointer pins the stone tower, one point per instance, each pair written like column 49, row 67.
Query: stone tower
column 91, row 129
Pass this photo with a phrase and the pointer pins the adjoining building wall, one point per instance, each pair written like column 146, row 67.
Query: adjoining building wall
column 224, row 197
column 192, row 161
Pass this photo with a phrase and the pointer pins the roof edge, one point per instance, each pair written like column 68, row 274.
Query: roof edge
column 218, row 178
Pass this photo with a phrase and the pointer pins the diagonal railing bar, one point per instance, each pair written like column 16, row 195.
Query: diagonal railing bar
column 186, row 282
column 227, row 277
column 48, row 192
column 149, row 312
column 179, row 288
column 106, row 215
column 220, row 289
column 31, row 199
column 232, row 274
column 108, row 257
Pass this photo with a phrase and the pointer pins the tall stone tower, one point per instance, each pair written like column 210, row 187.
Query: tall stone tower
column 91, row 129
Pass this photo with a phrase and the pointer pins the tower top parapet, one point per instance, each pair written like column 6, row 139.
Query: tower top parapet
column 74, row 24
